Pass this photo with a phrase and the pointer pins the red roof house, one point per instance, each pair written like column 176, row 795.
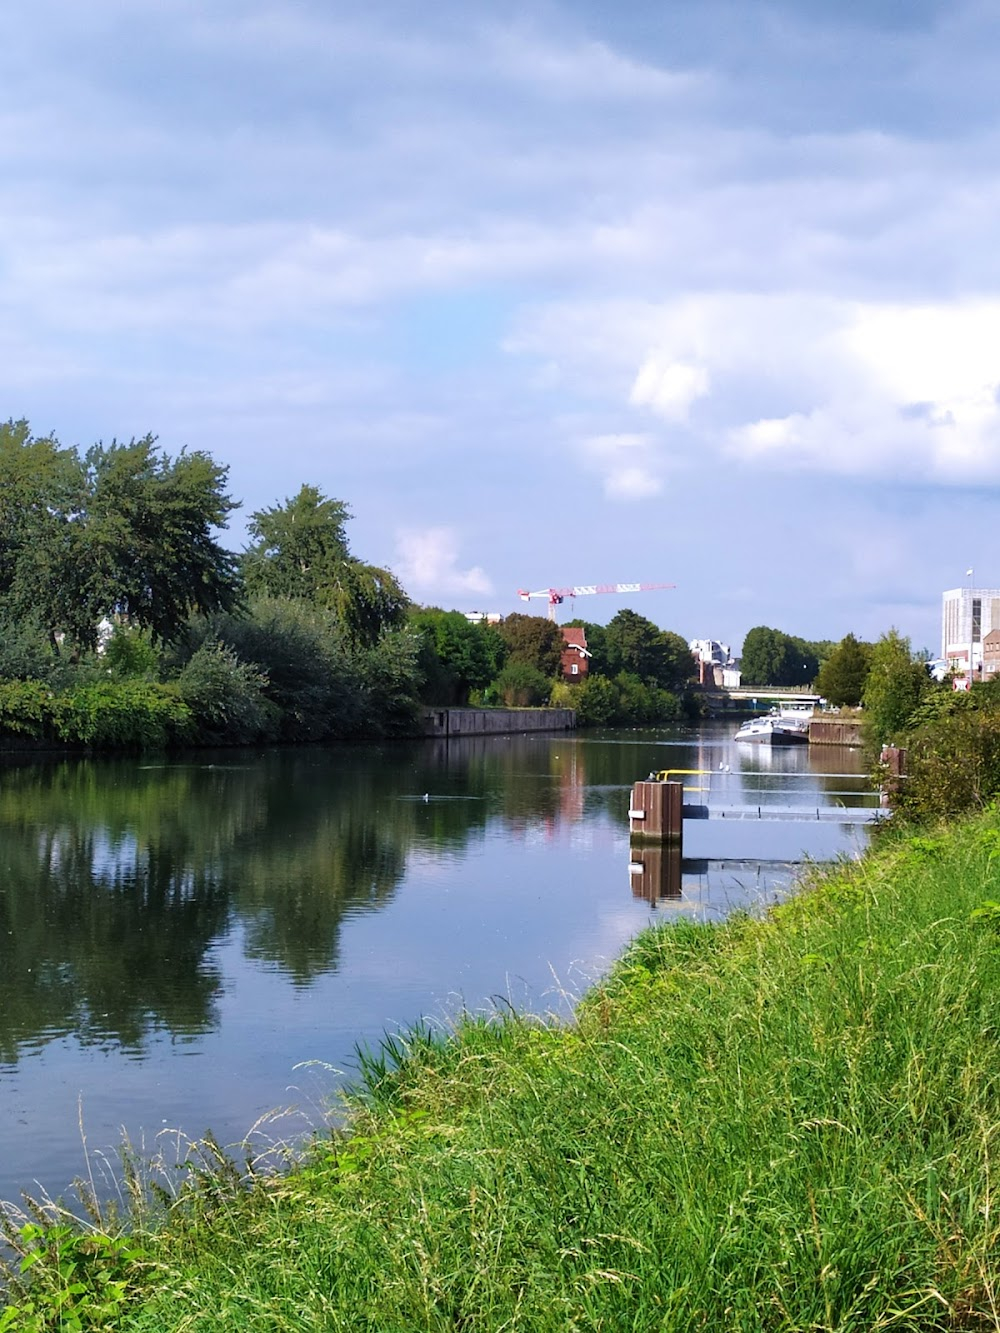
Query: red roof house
column 575, row 657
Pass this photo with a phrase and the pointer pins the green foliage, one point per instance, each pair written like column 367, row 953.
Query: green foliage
column 298, row 649
column 595, row 700
column 842, row 676
column 389, row 677
column 123, row 531
column 297, row 546
column 26, row 709
column 26, row 653
column 522, row 685
column 131, row 653
column 952, row 766
column 456, row 657
column 625, row 701
column 226, row 697
column 894, row 687
column 300, row 551
column 121, row 715
column 532, row 641
column 641, row 703
column 634, row 645
column 108, row 715
column 771, row 657
column 70, row 1280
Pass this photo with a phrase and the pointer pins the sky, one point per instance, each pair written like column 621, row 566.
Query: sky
column 549, row 293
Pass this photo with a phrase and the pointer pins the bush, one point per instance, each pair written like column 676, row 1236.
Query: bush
column 129, row 715
column 131, row 654
column 520, row 685
column 952, row 766
column 26, row 709
column 226, row 698
column 126, row 715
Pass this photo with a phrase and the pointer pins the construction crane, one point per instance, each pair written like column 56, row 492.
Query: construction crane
column 556, row 596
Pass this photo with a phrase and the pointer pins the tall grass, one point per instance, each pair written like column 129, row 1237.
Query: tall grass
column 781, row 1124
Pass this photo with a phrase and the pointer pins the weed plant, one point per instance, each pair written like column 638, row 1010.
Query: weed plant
column 785, row 1123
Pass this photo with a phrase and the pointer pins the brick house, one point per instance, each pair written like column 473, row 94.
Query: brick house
column 575, row 660
column 991, row 654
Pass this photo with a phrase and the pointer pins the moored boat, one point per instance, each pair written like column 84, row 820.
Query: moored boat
column 776, row 729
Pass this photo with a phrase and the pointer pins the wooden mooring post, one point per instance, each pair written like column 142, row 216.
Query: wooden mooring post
column 893, row 760
column 657, row 811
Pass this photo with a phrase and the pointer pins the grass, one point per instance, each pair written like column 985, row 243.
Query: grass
column 788, row 1123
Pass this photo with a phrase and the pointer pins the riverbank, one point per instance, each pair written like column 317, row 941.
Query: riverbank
column 786, row 1122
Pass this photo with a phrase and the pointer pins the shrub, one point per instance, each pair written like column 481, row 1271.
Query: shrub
column 520, row 685
column 26, row 709
column 952, row 766
column 131, row 654
column 226, row 698
column 121, row 715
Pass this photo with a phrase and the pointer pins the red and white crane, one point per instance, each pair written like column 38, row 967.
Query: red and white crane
column 556, row 596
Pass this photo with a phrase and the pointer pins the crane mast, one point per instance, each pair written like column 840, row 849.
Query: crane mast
column 556, row 596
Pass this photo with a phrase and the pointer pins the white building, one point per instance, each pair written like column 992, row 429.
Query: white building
column 715, row 663
column 967, row 616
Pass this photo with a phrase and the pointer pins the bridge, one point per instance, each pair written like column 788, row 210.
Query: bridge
column 757, row 698
column 768, row 694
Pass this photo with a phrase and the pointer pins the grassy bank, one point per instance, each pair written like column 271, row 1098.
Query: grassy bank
column 787, row 1124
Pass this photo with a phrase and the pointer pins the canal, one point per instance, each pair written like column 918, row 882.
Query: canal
column 190, row 944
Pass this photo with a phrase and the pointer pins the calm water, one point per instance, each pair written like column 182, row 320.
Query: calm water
column 187, row 945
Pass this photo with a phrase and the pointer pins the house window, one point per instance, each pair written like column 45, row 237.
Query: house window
column 977, row 619
column 574, row 669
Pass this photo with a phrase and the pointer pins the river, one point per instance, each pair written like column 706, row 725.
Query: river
column 188, row 944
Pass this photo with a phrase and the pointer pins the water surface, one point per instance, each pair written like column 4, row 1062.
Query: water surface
column 187, row 944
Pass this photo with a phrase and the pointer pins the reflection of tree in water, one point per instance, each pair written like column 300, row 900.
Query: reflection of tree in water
column 333, row 843
column 104, row 921
column 117, row 877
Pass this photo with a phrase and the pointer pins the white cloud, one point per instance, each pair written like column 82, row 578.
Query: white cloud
column 668, row 388
column 628, row 464
column 427, row 563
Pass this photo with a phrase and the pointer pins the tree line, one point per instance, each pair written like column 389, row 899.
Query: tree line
column 125, row 622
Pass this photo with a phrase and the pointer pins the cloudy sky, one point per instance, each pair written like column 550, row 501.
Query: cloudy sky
column 550, row 293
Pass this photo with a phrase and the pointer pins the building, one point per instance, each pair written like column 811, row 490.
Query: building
column 575, row 661
column 968, row 617
column 716, row 665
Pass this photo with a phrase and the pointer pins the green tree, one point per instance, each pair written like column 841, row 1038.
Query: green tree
column 841, row 678
column 300, row 550
column 456, row 656
column 771, row 657
column 533, row 641
column 893, row 689
column 634, row 645
column 126, row 531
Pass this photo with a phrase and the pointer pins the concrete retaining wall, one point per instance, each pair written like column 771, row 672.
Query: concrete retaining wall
column 834, row 733
column 453, row 722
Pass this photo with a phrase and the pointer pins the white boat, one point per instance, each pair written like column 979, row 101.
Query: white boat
column 777, row 728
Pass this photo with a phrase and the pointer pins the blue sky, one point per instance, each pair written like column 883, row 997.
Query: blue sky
column 548, row 293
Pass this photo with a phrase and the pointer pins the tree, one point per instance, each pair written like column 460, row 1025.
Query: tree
column 841, row 678
column 636, row 646
column 126, row 531
column 771, row 657
column 146, row 537
column 533, row 641
column 455, row 656
column 893, row 689
column 300, row 550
